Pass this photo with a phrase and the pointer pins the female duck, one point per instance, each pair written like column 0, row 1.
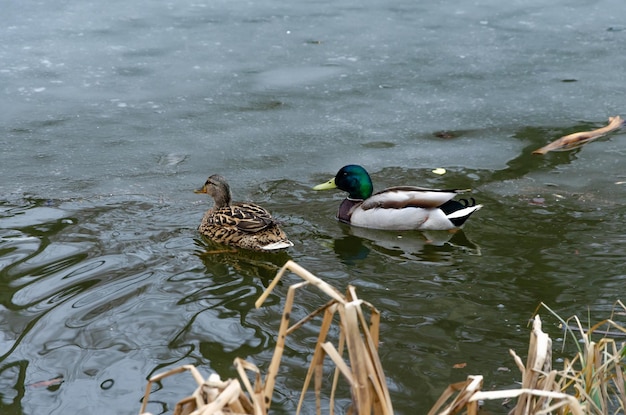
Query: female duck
column 245, row 225
column 397, row 208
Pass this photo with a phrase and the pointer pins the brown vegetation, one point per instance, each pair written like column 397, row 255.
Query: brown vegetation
column 592, row 383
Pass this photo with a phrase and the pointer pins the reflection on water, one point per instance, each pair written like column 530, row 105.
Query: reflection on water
column 420, row 246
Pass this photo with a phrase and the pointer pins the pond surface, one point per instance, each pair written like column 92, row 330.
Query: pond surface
column 113, row 112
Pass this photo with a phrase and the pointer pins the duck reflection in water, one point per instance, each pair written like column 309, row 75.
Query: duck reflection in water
column 220, row 259
column 431, row 246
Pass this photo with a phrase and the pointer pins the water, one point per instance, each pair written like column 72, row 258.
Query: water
column 111, row 114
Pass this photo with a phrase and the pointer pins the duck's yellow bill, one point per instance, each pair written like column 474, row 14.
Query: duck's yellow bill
column 200, row 190
column 326, row 186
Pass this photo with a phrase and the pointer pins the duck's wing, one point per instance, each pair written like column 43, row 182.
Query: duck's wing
column 409, row 196
column 246, row 217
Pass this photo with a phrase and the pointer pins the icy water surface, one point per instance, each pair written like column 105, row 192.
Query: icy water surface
column 112, row 113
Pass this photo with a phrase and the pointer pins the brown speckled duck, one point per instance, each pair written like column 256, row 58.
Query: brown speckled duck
column 244, row 225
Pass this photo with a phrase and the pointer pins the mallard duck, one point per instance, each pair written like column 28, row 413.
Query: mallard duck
column 245, row 225
column 397, row 208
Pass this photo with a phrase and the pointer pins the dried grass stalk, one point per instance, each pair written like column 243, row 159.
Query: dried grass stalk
column 364, row 373
column 534, row 373
column 358, row 337
column 594, row 378
column 212, row 397
column 464, row 391
column 595, row 374
column 540, row 394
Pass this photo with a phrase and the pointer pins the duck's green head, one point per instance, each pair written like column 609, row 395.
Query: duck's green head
column 352, row 179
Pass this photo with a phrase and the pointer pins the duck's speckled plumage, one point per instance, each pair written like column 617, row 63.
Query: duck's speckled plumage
column 244, row 225
column 397, row 208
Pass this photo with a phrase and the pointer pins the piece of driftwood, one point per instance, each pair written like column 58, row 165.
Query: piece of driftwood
column 576, row 140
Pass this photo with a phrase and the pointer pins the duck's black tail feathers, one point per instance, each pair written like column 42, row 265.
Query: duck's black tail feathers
column 458, row 211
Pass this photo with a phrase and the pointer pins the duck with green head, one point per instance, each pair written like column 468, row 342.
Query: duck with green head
column 397, row 208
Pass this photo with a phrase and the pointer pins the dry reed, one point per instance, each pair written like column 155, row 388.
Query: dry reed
column 592, row 383
column 358, row 338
